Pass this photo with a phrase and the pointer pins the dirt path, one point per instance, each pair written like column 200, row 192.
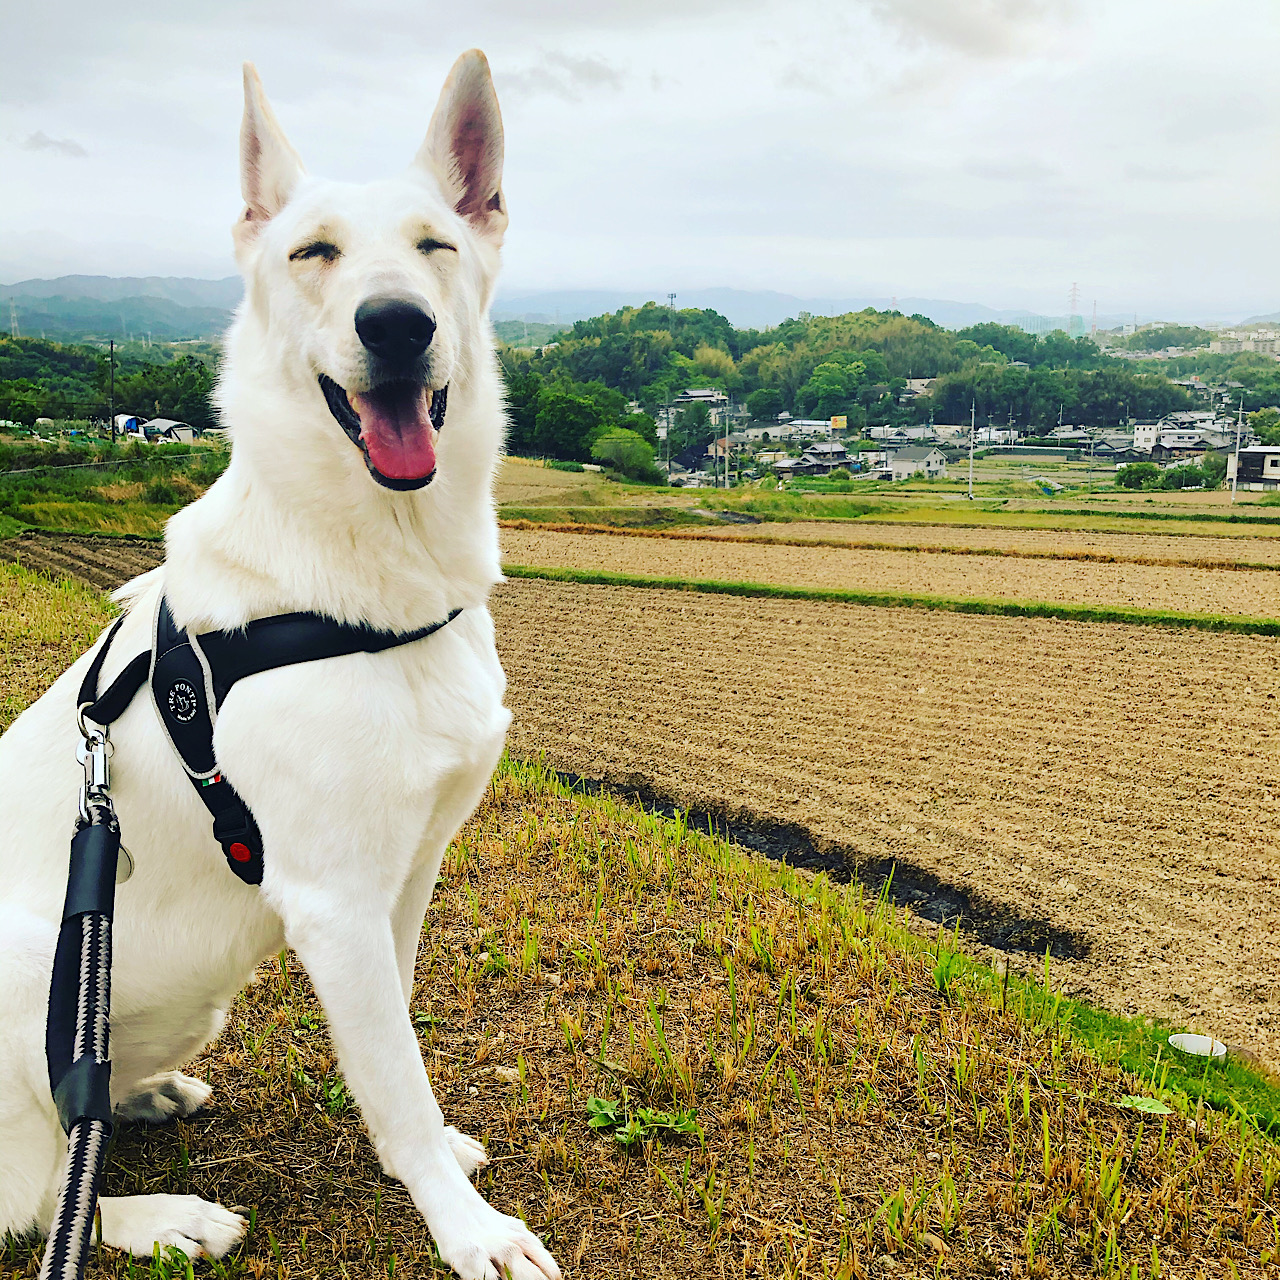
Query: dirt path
column 1106, row 790
column 1180, row 588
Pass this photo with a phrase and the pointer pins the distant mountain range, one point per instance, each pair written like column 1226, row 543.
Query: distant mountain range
column 167, row 308
column 756, row 309
column 170, row 308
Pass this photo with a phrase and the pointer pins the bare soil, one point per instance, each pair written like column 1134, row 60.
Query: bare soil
column 1181, row 588
column 105, row 563
column 1108, row 791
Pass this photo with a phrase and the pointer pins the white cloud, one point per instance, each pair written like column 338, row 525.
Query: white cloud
column 563, row 75
column 992, row 150
column 39, row 141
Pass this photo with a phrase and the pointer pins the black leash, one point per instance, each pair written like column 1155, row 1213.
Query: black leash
column 190, row 678
column 77, row 1034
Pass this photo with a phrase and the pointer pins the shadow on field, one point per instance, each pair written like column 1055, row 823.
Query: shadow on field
column 994, row 924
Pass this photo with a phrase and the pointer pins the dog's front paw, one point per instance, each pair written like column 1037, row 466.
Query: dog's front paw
column 480, row 1243
column 197, row 1227
column 469, row 1153
column 167, row 1096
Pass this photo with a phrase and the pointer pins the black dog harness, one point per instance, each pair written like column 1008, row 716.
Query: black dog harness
column 190, row 677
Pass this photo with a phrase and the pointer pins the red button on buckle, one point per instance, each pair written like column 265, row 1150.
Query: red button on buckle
column 240, row 852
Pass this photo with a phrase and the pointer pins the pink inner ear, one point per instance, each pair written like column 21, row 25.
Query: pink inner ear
column 472, row 151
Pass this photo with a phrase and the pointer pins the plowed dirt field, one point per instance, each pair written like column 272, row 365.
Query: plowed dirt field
column 1136, row 546
column 1108, row 790
column 105, row 563
column 1187, row 589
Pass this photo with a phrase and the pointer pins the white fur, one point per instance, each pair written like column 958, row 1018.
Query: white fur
column 359, row 770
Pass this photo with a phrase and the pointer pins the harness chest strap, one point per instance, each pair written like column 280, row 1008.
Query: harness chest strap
column 190, row 677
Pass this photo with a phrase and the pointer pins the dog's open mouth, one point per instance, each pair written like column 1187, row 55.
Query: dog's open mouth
column 395, row 425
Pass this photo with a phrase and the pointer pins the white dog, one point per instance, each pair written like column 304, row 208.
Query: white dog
column 350, row 493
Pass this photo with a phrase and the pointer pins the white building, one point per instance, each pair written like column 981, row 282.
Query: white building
column 906, row 463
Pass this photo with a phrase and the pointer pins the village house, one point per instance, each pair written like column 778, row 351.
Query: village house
column 825, row 456
column 906, row 463
column 1259, row 467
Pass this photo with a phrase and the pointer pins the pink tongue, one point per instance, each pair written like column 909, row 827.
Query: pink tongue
column 396, row 430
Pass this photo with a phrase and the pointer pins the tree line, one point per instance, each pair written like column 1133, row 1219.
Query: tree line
column 42, row 379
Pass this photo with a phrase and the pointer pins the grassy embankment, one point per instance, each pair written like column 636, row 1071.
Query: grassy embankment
column 102, row 488
column 685, row 1058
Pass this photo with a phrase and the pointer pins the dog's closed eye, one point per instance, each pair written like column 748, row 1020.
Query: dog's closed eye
column 316, row 249
column 429, row 245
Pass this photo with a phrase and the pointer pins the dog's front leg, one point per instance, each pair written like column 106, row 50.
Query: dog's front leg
column 350, row 955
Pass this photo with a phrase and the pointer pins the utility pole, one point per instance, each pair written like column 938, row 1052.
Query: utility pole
column 1235, row 474
column 112, row 402
column 973, row 419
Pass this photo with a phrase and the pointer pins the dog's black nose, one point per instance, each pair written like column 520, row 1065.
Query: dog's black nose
column 395, row 329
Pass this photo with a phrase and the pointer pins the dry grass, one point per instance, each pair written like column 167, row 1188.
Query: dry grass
column 1180, row 588
column 1235, row 554
column 784, row 1083
column 45, row 624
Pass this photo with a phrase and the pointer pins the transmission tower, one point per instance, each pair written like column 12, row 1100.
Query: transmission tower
column 1073, row 300
column 13, row 319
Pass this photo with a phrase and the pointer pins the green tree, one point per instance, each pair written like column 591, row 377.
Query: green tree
column 1138, row 475
column 566, row 424
column 765, row 404
column 1214, row 469
column 1266, row 424
column 626, row 452
column 523, row 391
column 692, row 428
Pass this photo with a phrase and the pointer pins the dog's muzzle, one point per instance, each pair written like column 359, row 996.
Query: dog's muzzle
column 395, row 425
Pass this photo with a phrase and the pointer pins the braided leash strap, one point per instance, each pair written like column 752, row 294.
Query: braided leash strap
column 77, row 1037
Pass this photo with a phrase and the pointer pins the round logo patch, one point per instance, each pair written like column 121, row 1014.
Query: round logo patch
column 184, row 701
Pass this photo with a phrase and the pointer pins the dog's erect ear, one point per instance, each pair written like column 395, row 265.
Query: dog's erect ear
column 463, row 147
column 269, row 166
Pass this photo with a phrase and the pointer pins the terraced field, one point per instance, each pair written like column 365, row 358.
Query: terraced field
column 1184, row 588
column 1047, row 542
column 1107, row 790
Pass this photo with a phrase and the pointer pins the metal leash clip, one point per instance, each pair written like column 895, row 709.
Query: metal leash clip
column 94, row 753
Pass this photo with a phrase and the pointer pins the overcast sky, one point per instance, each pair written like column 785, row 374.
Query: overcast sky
column 990, row 151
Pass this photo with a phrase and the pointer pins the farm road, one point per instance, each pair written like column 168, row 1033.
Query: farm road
column 1180, row 588
column 1114, row 782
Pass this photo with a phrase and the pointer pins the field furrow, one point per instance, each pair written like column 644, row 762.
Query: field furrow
column 1106, row 783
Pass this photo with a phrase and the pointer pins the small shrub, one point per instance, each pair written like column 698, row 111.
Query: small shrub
column 160, row 493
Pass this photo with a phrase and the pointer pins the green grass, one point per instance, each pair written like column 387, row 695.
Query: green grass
column 899, row 600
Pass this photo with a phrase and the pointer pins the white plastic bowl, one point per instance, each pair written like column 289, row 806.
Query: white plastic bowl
column 1198, row 1046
